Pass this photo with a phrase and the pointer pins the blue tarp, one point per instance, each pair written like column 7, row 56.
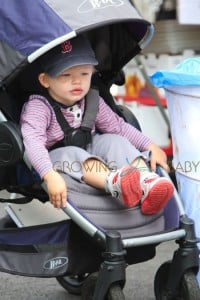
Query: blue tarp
column 187, row 73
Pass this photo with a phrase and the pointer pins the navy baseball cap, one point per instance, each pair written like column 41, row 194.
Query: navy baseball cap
column 74, row 52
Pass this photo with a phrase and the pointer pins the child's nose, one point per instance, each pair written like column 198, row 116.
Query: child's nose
column 76, row 79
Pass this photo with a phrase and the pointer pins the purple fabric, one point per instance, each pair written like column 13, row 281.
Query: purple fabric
column 171, row 214
column 28, row 26
column 50, row 233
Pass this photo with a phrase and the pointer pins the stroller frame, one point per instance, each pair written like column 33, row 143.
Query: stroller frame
column 113, row 268
column 113, row 247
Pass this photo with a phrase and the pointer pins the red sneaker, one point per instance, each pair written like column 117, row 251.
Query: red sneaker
column 157, row 191
column 125, row 185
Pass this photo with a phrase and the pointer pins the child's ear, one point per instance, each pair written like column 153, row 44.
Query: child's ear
column 43, row 80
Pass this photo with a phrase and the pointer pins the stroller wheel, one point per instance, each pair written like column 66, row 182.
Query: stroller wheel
column 115, row 291
column 160, row 281
column 188, row 290
column 72, row 284
column 189, row 287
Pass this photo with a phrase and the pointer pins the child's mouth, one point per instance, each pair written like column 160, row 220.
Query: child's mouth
column 76, row 91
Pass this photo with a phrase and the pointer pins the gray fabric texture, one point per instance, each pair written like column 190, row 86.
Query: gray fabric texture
column 107, row 212
column 115, row 151
column 86, row 13
column 9, row 65
column 102, row 209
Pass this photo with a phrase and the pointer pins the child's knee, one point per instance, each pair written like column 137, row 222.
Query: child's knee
column 117, row 140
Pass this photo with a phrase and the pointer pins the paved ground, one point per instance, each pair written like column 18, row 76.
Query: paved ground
column 139, row 284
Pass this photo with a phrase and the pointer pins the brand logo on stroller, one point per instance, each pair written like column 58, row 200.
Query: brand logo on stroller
column 89, row 5
column 55, row 263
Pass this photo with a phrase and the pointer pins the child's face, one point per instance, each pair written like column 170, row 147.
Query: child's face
column 70, row 86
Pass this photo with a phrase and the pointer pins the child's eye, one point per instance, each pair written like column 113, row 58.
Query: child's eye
column 85, row 73
column 65, row 75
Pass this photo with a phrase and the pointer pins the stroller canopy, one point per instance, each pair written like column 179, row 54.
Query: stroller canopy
column 28, row 30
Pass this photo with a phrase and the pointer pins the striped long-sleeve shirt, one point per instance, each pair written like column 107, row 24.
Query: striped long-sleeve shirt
column 40, row 129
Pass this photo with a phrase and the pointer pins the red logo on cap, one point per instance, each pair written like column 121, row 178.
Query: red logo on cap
column 66, row 47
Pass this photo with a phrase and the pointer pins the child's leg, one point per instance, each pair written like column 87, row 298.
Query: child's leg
column 90, row 168
column 119, row 179
column 122, row 183
column 95, row 173
column 129, row 183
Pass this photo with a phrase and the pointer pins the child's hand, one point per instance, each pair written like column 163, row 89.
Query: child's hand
column 57, row 189
column 158, row 157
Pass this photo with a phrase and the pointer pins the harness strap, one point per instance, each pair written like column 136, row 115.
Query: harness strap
column 66, row 128
column 89, row 116
column 91, row 108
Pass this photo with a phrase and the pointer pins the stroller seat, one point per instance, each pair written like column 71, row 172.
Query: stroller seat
column 102, row 209
column 107, row 213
